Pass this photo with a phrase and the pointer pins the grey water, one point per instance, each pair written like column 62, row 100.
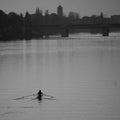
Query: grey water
column 82, row 72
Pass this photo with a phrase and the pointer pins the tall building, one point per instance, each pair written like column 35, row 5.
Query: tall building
column 60, row 10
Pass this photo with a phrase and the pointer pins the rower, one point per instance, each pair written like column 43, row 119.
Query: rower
column 39, row 95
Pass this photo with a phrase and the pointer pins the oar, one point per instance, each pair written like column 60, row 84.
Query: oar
column 30, row 95
column 23, row 97
column 51, row 98
column 48, row 95
column 18, row 98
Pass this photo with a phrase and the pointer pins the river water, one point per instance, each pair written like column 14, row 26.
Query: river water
column 82, row 72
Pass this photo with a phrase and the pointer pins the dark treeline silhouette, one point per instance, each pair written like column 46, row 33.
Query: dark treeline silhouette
column 14, row 26
column 11, row 26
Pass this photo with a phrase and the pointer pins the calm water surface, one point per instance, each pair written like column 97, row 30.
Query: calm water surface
column 82, row 72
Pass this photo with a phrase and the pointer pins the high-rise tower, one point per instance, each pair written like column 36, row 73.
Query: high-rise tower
column 60, row 10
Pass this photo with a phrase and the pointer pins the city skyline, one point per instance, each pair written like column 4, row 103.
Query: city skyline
column 83, row 7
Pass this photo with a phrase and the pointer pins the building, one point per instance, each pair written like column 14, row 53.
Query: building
column 115, row 18
column 60, row 10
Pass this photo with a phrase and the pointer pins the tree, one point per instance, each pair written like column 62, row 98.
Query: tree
column 28, row 30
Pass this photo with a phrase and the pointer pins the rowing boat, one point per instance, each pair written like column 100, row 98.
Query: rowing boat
column 35, row 96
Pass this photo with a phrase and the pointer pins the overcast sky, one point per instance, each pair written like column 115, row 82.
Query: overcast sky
column 83, row 7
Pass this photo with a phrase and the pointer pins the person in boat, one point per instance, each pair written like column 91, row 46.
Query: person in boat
column 39, row 95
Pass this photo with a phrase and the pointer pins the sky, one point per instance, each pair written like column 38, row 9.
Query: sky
column 83, row 7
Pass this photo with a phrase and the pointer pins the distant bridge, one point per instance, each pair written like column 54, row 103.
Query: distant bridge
column 65, row 29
